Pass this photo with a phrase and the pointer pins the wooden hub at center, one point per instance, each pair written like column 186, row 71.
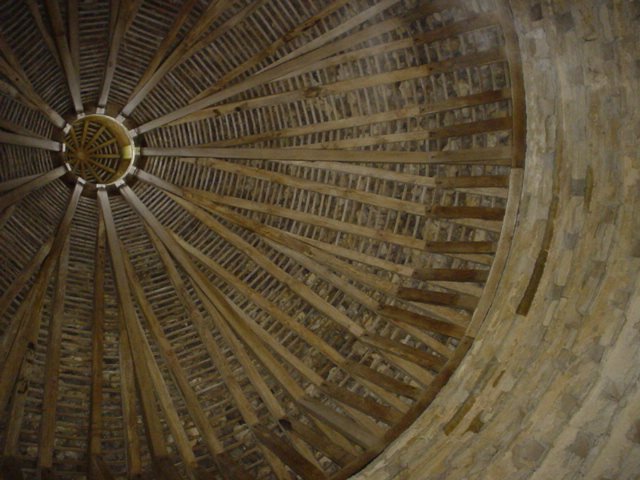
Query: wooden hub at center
column 99, row 149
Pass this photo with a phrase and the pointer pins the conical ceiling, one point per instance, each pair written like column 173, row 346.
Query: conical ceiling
column 244, row 239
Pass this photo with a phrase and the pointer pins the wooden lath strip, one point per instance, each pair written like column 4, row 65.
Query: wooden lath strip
column 128, row 397
column 221, row 304
column 344, row 86
column 25, row 189
column 350, row 24
column 19, row 129
column 273, row 309
column 25, row 93
column 189, row 46
column 204, row 331
column 289, row 456
column 474, row 156
column 313, row 259
column 151, row 384
column 126, row 13
column 475, row 22
column 414, row 370
column 97, row 349
column 60, row 37
column 73, row 22
column 52, row 365
column 167, row 41
column 361, row 120
column 34, row 8
column 319, row 54
column 30, row 321
column 21, row 280
column 30, row 141
column 271, row 49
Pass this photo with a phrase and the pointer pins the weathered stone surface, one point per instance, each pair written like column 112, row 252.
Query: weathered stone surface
column 564, row 401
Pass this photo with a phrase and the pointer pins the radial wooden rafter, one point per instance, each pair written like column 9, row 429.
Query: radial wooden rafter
column 299, row 264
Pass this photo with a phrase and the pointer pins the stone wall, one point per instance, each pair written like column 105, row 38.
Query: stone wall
column 550, row 389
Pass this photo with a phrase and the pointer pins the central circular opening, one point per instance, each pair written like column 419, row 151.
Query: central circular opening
column 99, row 149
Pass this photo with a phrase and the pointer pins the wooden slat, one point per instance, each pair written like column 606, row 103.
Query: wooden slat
column 73, row 22
column 62, row 44
column 19, row 129
column 287, row 454
column 271, row 49
column 128, row 398
column 25, row 93
column 361, row 120
column 126, row 13
column 29, row 141
column 97, row 352
column 25, row 189
column 10, row 468
column 189, row 45
column 21, row 280
column 17, row 408
column 329, row 89
column 451, row 275
column 99, row 469
column 52, row 365
column 311, row 57
column 34, row 8
column 461, row 247
column 484, row 213
column 460, row 300
column 317, row 440
column 477, row 156
column 148, row 376
column 422, row 321
column 167, row 41
column 482, row 181
column 31, row 321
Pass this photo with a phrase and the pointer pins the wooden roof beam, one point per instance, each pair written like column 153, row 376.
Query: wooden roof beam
column 26, row 332
column 18, row 193
column 474, row 156
column 177, row 193
column 289, row 456
column 204, row 330
column 199, row 110
column 362, row 120
column 332, row 354
column 52, row 366
column 34, row 8
column 151, row 385
column 309, row 58
column 23, row 91
column 186, row 48
column 317, row 261
column 18, row 284
column 126, row 12
column 270, row 50
column 97, row 353
column 60, row 37
column 30, row 141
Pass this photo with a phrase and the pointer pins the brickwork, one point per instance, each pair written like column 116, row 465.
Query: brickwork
column 553, row 393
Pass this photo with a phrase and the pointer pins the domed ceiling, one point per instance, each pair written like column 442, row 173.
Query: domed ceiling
column 244, row 239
